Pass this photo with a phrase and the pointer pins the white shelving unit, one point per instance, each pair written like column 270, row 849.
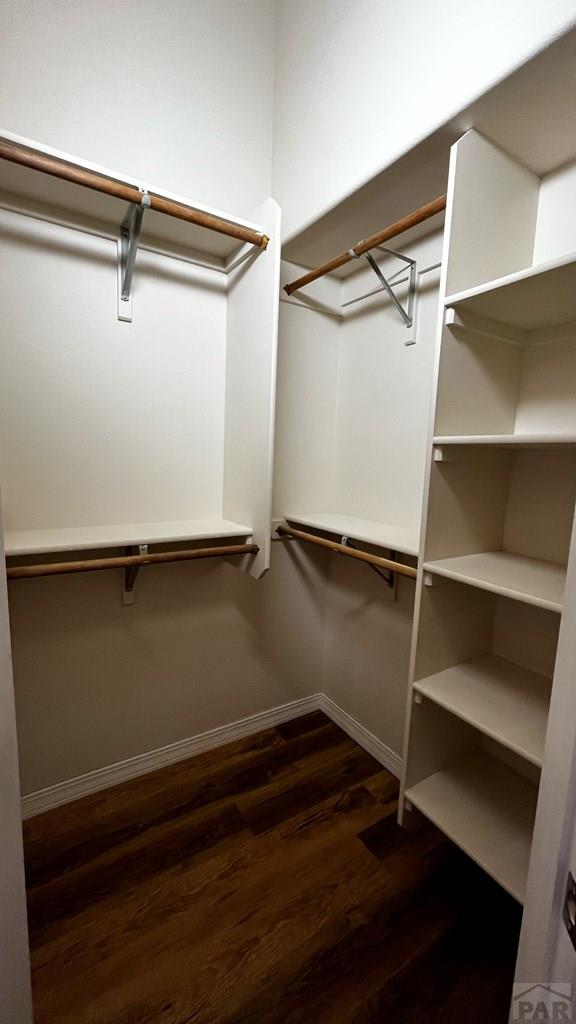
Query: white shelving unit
column 499, row 513
column 530, row 299
column 154, row 431
column 487, row 810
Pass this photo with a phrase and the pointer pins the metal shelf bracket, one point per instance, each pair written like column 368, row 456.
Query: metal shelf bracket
column 407, row 313
column 389, row 576
column 127, row 249
column 130, row 574
column 407, row 274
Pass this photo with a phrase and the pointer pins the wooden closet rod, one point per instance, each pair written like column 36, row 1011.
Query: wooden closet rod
column 342, row 549
column 409, row 221
column 21, row 572
column 37, row 161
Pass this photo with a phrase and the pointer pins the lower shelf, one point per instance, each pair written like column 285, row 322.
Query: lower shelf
column 488, row 811
column 78, row 538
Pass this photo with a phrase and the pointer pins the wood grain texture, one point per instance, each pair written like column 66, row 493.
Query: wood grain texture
column 397, row 228
column 261, row 882
column 348, row 551
column 78, row 175
column 24, row 572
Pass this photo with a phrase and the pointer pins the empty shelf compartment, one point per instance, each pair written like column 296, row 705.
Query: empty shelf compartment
column 505, row 701
column 488, row 811
column 531, row 580
column 537, row 297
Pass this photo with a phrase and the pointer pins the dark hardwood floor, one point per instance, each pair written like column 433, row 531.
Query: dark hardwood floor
column 263, row 883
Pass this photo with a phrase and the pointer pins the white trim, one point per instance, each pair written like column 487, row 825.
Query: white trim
column 103, row 778
column 111, row 775
column 366, row 739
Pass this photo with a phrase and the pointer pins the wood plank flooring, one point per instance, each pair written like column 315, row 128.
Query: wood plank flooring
column 261, row 883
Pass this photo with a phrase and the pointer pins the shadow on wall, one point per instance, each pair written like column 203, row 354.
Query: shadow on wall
column 203, row 646
column 367, row 647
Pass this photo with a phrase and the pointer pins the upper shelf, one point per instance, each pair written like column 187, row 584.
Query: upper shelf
column 79, row 538
column 558, row 440
column 395, row 538
column 531, row 299
column 531, row 580
column 24, row 185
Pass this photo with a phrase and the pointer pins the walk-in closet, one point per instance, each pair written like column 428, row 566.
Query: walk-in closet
column 288, row 492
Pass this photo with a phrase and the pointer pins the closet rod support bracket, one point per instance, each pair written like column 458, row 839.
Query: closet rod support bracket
column 127, row 249
column 130, row 574
column 406, row 313
column 389, row 576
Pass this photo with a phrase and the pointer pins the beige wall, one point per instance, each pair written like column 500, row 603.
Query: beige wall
column 203, row 646
column 87, row 435
column 367, row 648
column 177, row 94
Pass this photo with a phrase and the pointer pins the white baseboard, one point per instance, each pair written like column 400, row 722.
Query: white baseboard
column 111, row 775
column 363, row 737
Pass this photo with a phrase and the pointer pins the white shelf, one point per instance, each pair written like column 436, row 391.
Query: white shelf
column 395, row 538
column 77, row 538
column 525, row 579
column 509, row 440
column 22, row 184
column 540, row 296
column 488, row 811
column 503, row 700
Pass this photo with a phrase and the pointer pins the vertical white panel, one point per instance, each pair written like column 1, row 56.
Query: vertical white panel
column 252, row 333
column 554, row 823
column 526, row 635
column 477, row 384
column 556, row 226
column 415, row 651
column 466, row 507
column 305, row 410
column 540, row 507
column 547, row 388
column 15, row 996
column 494, row 210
